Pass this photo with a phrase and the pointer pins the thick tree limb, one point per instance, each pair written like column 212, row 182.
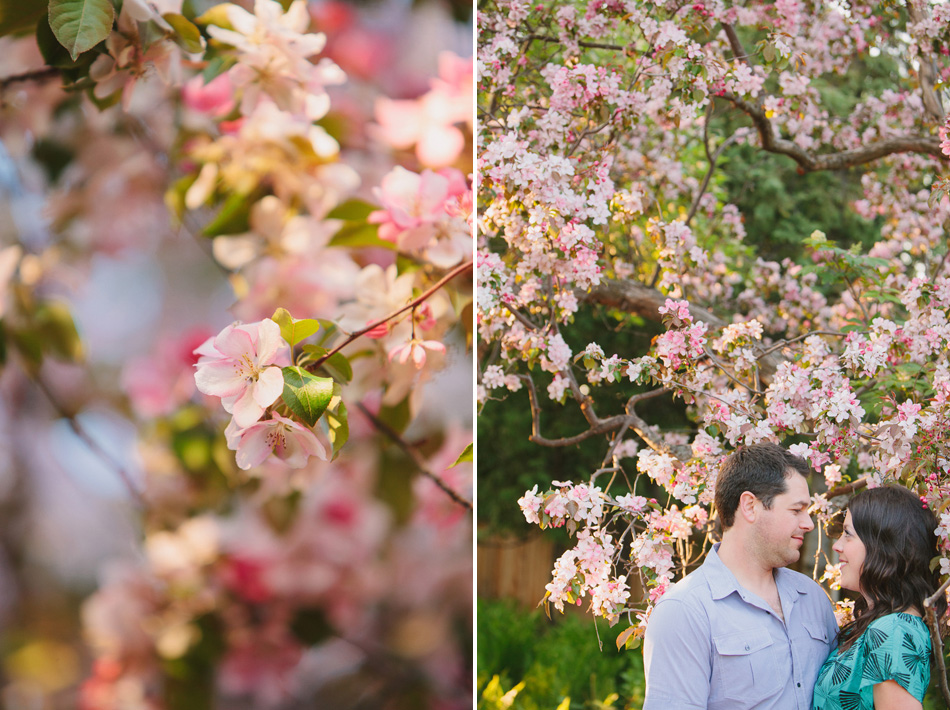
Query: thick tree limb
column 812, row 162
column 738, row 51
column 633, row 297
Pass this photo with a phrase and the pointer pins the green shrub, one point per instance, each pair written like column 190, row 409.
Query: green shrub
column 526, row 662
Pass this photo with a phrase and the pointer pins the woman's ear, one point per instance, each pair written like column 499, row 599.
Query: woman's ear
column 747, row 507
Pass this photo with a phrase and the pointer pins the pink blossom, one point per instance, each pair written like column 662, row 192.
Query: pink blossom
column 277, row 437
column 158, row 383
column 430, row 122
column 246, row 372
column 261, row 662
column 422, row 213
column 214, row 98
column 416, row 350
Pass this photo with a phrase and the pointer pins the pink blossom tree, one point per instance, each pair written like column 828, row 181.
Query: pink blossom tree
column 607, row 134
column 290, row 355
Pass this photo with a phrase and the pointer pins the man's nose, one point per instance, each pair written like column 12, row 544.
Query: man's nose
column 809, row 524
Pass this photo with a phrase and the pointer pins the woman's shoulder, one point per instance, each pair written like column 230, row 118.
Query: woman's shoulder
column 897, row 623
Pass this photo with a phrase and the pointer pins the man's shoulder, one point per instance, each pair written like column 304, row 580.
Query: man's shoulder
column 692, row 590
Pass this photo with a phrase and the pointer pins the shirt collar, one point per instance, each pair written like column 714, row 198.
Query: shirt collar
column 722, row 582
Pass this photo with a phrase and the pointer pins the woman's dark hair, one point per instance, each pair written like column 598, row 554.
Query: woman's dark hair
column 762, row 469
column 897, row 530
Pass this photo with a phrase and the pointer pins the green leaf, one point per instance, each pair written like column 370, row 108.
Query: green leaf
column 20, row 15
column 187, row 36
column 352, row 211
column 292, row 330
column 55, row 325
column 466, row 455
column 308, row 396
column 175, row 196
column 338, row 425
column 54, row 54
column 360, row 235
column 396, row 416
column 80, row 25
column 233, row 218
column 338, row 365
column 217, row 15
column 216, row 67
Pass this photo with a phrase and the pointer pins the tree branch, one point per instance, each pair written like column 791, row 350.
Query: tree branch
column 927, row 76
column 598, row 426
column 811, row 162
column 738, row 51
column 87, row 439
column 633, row 297
column 35, row 75
column 846, row 488
column 460, row 269
column 934, row 624
column 642, row 429
column 414, row 455
column 586, row 45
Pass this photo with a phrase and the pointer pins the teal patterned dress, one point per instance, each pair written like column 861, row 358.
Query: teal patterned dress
column 894, row 647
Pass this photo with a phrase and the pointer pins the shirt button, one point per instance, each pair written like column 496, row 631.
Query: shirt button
column 799, row 685
column 747, row 648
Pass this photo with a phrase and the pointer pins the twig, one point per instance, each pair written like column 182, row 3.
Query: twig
column 713, row 158
column 939, row 267
column 35, row 75
column 732, row 377
column 782, row 343
column 414, row 455
column 460, row 269
column 586, row 45
column 934, row 625
column 93, row 445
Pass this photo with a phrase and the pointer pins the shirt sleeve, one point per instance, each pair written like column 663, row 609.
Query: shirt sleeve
column 897, row 651
column 677, row 658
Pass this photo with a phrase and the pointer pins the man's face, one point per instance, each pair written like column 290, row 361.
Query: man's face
column 779, row 531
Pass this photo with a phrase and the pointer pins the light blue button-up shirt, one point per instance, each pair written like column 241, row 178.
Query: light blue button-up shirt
column 714, row 645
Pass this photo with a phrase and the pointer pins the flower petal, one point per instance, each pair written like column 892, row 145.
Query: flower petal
column 269, row 386
column 253, row 449
column 234, row 343
column 269, row 343
column 246, row 410
column 219, row 378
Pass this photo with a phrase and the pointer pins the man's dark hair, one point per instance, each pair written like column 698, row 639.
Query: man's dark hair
column 760, row 469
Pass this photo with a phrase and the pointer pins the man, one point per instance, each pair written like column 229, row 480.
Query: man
column 742, row 631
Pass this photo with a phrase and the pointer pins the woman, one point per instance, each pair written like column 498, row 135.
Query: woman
column 883, row 656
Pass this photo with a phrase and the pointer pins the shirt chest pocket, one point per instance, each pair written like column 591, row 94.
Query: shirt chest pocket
column 748, row 666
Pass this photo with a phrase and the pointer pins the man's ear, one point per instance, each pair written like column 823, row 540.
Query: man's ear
column 747, row 507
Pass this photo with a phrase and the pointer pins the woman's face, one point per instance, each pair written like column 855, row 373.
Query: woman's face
column 851, row 552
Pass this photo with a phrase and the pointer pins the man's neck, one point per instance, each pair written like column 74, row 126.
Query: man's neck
column 750, row 571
